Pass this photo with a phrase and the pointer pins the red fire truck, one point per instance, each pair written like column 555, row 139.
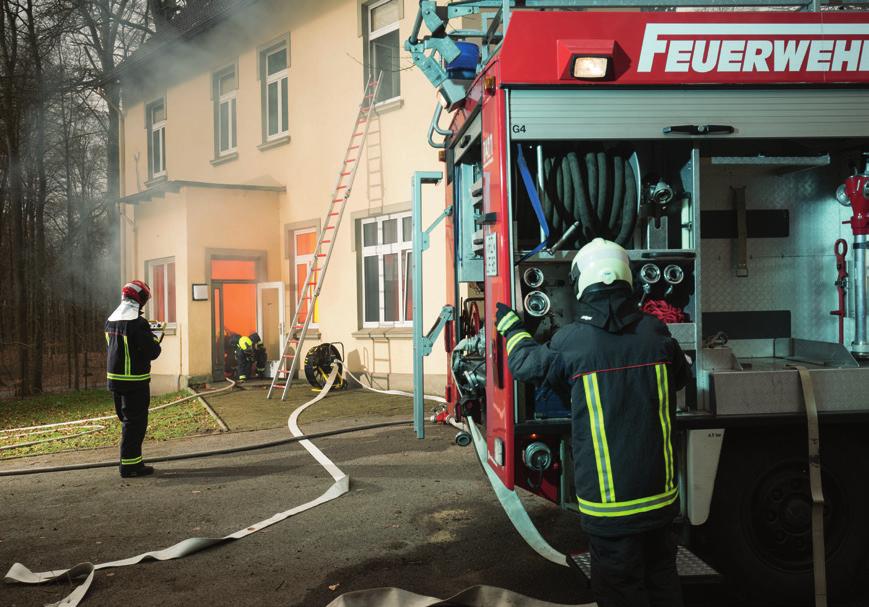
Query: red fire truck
column 727, row 151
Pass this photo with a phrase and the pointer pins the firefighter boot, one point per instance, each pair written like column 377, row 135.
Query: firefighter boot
column 134, row 471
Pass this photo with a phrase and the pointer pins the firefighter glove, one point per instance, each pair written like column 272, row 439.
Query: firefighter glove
column 158, row 329
column 507, row 320
column 508, row 324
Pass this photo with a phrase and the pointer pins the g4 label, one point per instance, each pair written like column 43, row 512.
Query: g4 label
column 518, row 128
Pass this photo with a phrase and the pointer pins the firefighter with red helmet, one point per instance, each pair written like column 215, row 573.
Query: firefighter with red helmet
column 130, row 348
column 623, row 369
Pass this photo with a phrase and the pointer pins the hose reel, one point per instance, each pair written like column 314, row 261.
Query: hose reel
column 318, row 364
column 587, row 195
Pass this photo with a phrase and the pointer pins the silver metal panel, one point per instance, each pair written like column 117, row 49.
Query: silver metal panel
column 643, row 114
column 688, row 564
column 685, row 333
column 794, row 273
column 814, row 352
column 779, row 391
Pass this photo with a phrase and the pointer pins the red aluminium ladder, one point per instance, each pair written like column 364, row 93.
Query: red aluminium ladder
column 306, row 303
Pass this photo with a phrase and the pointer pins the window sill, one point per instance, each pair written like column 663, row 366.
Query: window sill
column 224, row 159
column 156, row 180
column 388, row 105
column 384, row 333
column 274, row 143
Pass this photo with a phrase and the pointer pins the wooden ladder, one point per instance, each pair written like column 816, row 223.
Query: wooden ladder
column 306, row 303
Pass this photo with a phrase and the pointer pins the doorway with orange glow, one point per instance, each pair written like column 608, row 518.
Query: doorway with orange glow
column 233, row 308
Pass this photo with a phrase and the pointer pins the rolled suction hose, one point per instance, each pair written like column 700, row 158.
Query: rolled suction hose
column 588, row 195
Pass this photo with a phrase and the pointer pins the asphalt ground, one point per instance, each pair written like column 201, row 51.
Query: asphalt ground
column 420, row 515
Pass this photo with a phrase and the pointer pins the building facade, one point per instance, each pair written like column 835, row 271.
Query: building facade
column 235, row 127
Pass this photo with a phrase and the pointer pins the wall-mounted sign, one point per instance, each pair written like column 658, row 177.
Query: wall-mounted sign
column 200, row 292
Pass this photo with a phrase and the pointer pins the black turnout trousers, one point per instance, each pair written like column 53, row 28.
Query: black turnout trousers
column 637, row 570
column 132, row 410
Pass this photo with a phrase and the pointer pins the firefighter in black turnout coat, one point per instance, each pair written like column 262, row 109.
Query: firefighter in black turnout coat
column 622, row 368
column 130, row 348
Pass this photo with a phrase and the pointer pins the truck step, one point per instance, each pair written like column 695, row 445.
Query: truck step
column 688, row 564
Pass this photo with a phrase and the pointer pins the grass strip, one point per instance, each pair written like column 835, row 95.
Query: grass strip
column 185, row 419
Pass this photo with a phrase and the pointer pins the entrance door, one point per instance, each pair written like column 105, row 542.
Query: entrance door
column 234, row 309
column 270, row 319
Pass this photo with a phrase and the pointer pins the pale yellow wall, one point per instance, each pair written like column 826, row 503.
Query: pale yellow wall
column 160, row 232
column 224, row 220
column 325, row 83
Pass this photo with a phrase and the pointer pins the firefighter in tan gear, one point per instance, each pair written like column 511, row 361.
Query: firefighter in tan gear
column 622, row 368
column 130, row 348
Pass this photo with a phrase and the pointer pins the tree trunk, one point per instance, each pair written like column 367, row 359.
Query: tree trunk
column 37, row 273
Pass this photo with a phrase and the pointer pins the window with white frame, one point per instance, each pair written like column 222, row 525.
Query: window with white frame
column 161, row 279
column 225, row 88
column 304, row 246
column 382, row 39
column 157, row 139
column 275, row 63
column 387, row 286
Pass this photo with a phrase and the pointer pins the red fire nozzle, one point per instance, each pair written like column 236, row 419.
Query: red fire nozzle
column 856, row 189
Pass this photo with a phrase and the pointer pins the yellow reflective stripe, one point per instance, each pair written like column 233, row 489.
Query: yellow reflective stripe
column 592, row 413
column 605, row 443
column 126, row 357
column 120, row 377
column 511, row 343
column 664, row 416
column 131, row 462
column 598, row 434
column 508, row 321
column 107, row 338
column 643, row 504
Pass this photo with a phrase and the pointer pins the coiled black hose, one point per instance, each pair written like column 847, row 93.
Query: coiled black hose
column 588, row 195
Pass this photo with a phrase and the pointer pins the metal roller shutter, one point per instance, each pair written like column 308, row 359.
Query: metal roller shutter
column 643, row 114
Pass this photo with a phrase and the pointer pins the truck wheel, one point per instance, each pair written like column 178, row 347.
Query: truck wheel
column 760, row 523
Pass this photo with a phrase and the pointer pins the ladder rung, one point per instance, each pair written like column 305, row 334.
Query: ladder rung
column 345, row 173
column 341, row 187
column 279, row 385
column 337, row 200
column 333, row 213
column 326, row 241
column 349, row 160
column 358, row 133
column 329, row 228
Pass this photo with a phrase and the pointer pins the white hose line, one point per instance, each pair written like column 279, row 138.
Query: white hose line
column 20, row 573
column 41, row 429
column 430, row 397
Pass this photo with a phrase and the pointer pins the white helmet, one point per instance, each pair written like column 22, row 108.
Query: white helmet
column 600, row 261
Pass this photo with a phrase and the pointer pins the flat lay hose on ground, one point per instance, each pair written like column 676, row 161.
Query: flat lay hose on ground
column 86, row 571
